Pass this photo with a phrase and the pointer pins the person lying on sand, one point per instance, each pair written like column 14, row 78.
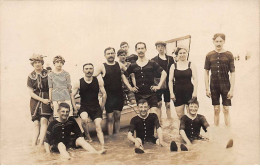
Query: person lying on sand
column 59, row 138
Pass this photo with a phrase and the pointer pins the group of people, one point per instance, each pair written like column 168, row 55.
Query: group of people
column 134, row 79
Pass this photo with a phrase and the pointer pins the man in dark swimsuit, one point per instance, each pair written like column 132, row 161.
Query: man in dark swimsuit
column 89, row 88
column 221, row 63
column 111, row 73
column 145, row 71
column 59, row 138
column 165, row 62
column 191, row 125
column 144, row 124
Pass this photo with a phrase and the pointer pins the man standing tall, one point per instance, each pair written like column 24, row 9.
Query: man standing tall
column 165, row 62
column 111, row 73
column 220, row 62
column 88, row 88
column 145, row 71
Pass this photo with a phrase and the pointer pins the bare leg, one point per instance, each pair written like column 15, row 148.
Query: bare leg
column 180, row 111
column 63, row 151
column 226, row 115
column 216, row 116
column 110, row 123
column 84, row 119
column 43, row 129
column 168, row 110
column 154, row 110
column 100, row 134
column 36, row 131
column 117, row 116
column 159, row 111
column 85, row 145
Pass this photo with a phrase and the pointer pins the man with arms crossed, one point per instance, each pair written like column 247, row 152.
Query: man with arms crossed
column 88, row 88
column 220, row 62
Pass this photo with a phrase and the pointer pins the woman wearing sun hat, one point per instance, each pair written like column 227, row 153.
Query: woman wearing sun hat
column 41, row 111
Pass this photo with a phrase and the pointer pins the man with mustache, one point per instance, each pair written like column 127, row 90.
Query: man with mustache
column 88, row 88
column 111, row 73
column 165, row 62
column 145, row 71
column 221, row 63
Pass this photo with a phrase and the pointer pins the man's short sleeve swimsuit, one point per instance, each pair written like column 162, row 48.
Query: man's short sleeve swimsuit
column 113, row 87
column 89, row 98
column 144, row 77
column 63, row 132
column 192, row 127
column 145, row 127
column 39, row 84
column 220, row 65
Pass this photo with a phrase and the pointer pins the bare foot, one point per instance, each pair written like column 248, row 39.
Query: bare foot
column 102, row 151
column 65, row 157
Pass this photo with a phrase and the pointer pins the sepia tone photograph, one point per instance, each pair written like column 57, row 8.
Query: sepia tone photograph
column 172, row 82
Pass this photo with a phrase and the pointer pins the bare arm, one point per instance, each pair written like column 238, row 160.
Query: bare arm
column 133, row 79
column 163, row 78
column 195, row 80
column 184, row 137
column 126, row 82
column 131, row 137
column 36, row 97
column 232, row 83
column 171, row 78
column 206, row 77
column 99, row 71
column 75, row 90
column 50, row 94
column 104, row 94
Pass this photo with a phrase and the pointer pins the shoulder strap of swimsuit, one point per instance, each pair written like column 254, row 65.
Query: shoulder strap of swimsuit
column 175, row 64
column 189, row 64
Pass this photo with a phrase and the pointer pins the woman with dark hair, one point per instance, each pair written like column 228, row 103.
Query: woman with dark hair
column 60, row 87
column 182, row 73
column 41, row 111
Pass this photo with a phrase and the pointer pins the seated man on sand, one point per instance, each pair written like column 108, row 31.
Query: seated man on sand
column 144, row 124
column 190, row 126
column 59, row 137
